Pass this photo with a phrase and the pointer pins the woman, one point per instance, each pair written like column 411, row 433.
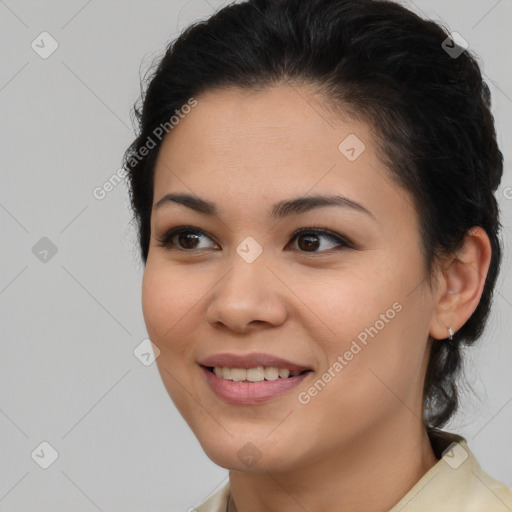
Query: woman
column 313, row 184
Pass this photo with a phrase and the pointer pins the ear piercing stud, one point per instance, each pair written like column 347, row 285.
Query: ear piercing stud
column 450, row 331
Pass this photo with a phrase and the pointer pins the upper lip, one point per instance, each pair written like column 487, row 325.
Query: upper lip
column 250, row 361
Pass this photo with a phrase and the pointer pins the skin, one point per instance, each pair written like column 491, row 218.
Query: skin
column 359, row 444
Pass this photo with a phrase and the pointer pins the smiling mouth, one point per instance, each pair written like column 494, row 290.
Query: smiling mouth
column 257, row 374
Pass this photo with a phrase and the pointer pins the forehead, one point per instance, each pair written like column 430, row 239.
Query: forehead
column 241, row 146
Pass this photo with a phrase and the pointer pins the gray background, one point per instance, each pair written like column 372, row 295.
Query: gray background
column 70, row 323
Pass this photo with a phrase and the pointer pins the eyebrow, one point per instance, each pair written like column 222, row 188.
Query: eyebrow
column 279, row 210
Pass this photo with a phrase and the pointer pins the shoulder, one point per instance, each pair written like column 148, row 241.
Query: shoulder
column 457, row 483
column 216, row 503
column 488, row 494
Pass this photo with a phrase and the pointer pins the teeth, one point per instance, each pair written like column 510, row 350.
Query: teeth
column 283, row 373
column 271, row 373
column 253, row 374
column 238, row 374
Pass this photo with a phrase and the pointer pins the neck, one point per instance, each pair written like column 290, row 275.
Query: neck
column 371, row 474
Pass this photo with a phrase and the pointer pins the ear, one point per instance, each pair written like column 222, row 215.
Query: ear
column 461, row 280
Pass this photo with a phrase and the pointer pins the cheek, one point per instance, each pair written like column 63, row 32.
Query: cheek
column 377, row 330
column 154, row 298
column 168, row 302
column 351, row 309
column 167, row 305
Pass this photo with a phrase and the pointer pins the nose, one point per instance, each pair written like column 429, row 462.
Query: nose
column 247, row 296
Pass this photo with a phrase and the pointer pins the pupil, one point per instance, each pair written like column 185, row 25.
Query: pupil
column 312, row 241
column 183, row 236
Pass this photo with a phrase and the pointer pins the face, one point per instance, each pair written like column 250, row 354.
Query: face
column 345, row 299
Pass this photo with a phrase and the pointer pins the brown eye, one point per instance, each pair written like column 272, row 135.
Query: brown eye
column 182, row 238
column 187, row 240
column 309, row 240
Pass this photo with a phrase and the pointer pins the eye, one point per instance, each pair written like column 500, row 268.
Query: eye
column 308, row 239
column 188, row 238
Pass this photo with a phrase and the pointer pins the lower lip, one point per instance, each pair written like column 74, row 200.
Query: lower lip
column 244, row 393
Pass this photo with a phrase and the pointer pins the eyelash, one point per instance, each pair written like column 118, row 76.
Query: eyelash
column 343, row 243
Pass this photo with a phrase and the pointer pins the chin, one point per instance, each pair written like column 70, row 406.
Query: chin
column 232, row 462
column 240, row 453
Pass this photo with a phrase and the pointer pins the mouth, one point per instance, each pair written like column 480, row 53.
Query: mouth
column 255, row 374
column 248, row 379
column 251, row 386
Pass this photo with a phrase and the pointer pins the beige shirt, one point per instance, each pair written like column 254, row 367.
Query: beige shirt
column 455, row 484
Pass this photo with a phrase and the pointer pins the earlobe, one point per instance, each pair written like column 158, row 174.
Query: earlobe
column 461, row 282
